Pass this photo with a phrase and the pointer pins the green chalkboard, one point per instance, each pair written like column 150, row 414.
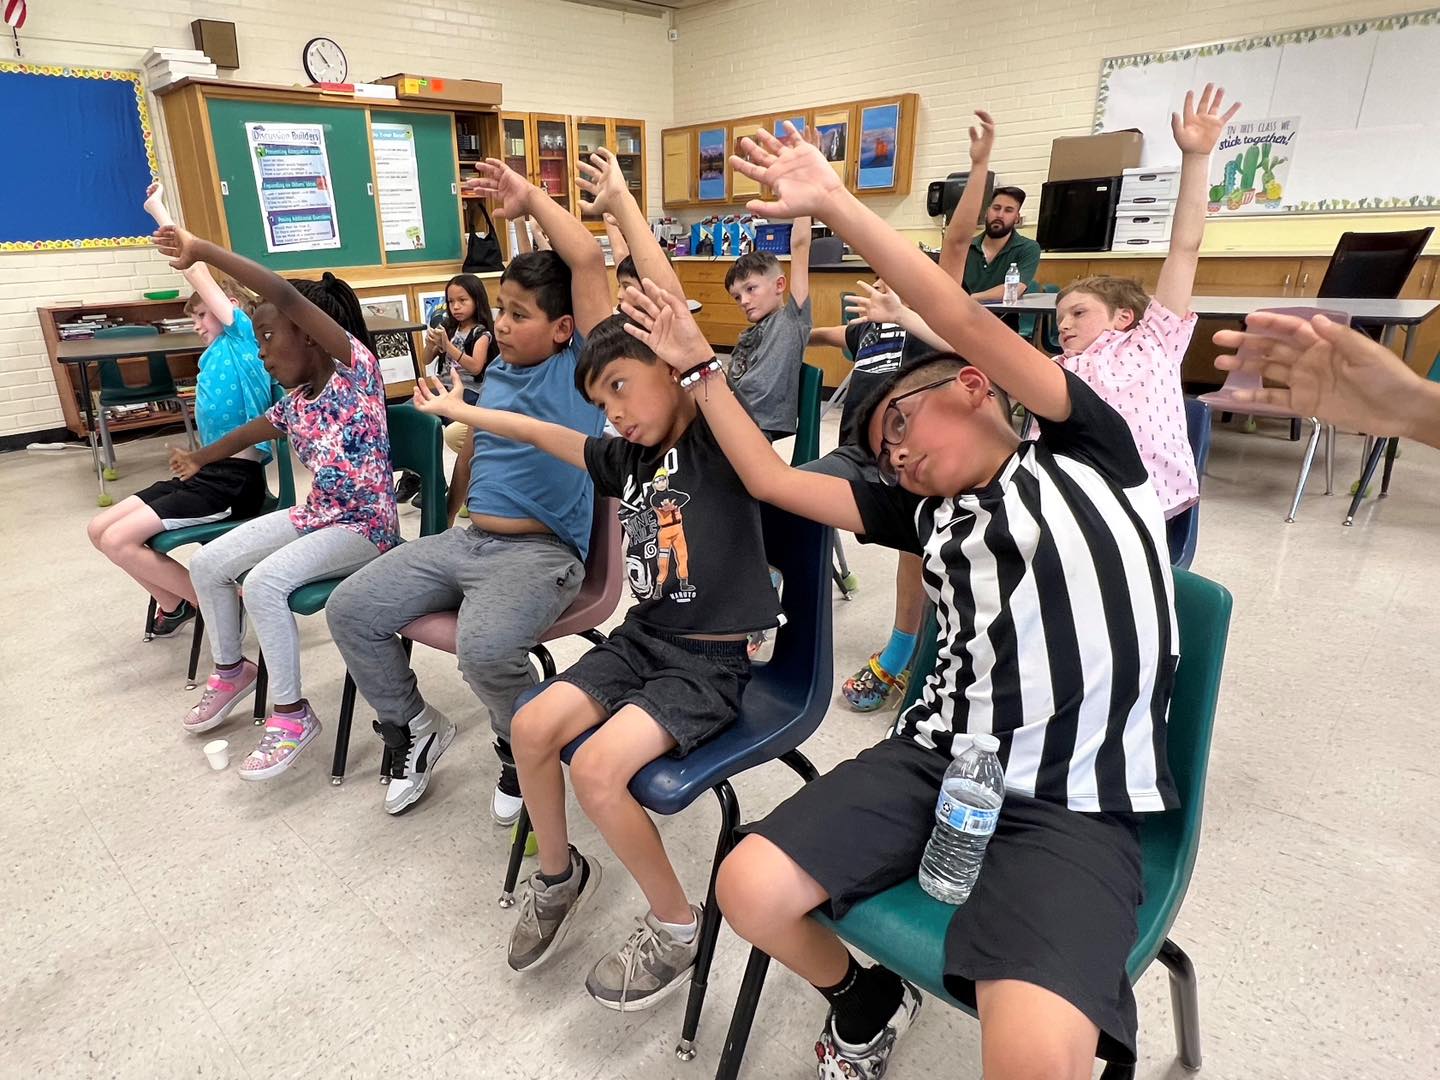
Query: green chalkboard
column 347, row 143
column 439, row 180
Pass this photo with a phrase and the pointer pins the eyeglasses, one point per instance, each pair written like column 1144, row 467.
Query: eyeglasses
column 893, row 425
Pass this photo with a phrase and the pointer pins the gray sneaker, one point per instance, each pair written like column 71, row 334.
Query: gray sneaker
column 648, row 968
column 546, row 912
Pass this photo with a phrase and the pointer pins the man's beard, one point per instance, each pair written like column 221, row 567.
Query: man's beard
column 997, row 229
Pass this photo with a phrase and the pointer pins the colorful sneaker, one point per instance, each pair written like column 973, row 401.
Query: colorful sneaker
column 547, row 912
column 647, row 969
column 220, row 696
column 505, row 804
column 285, row 736
column 842, row 1061
column 869, row 688
column 413, row 758
column 167, row 623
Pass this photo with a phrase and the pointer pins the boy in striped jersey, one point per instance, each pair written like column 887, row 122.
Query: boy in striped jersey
column 1046, row 562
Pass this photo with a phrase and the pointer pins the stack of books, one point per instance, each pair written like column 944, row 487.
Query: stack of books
column 85, row 326
column 165, row 66
column 175, row 326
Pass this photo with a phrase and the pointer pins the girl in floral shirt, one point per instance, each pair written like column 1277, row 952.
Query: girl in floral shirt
column 312, row 338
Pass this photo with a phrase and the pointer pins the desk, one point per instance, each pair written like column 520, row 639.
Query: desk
column 82, row 353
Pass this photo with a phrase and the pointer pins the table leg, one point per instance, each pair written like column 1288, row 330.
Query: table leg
column 103, row 498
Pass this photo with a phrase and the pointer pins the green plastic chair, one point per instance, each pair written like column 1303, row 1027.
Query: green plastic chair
column 807, row 428
column 904, row 928
column 114, row 391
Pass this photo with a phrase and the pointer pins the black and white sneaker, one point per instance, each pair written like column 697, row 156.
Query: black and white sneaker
column 839, row 1060
column 412, row 752
column 167, row 623
column 407, row 487
column 505, row 804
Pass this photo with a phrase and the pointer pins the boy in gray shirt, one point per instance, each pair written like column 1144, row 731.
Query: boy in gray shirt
column 765, row 363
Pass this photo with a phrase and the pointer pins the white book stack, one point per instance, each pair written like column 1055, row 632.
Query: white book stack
column 1146, row 209
column 165, row 66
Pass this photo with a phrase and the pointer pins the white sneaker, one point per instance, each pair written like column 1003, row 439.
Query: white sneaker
column 840, row 1060
column 429, row 735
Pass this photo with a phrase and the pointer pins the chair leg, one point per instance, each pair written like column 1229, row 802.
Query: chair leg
column 1294, row 430
column 107, row 447
column 262, row 687
column 517, row 856
column 189, row 427
column 1184, row 1002
column 195, row 637
column 342, row 731
column 546, row 661
column 1305, row 468
column 746, row 1004
column 800, row 764
column 1372, row 459
column 1392, row 447
column 595, row 637
column 1329, row 459
column 150, row 620
column 709, row 922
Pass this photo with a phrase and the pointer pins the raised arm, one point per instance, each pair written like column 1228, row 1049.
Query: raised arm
column 800, row 260
column 1196, row 132
column 805, row 184
column 198, row 276
column 184, row 250
column 619, row 249
column 955, row 248
column 558, row 441
column 876, row 303
column 602, row 180
column 589, row 287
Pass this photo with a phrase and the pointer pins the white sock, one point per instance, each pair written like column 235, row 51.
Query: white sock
column 682, row 932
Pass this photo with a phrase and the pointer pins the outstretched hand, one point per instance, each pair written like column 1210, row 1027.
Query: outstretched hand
column 177, row 245
column 1198, row 129
column 500, row 182
column 663, row 321
column 601, row 178
column 876, row 304
column 182, row 463
column 432, row 397
column 982, row 137
column 795, row 170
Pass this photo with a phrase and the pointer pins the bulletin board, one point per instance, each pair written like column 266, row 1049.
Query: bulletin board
column 1335, row 118
column 81, row 153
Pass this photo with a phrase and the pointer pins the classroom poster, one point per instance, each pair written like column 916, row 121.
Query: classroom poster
column 397, row 181
column 879, row 135
column 292, row 178
column 392, row 348
column 712, row 164
column 1251, row 165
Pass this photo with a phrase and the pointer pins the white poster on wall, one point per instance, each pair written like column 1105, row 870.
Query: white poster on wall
column 292, row 178
column 397, row 178
column 1250, row 167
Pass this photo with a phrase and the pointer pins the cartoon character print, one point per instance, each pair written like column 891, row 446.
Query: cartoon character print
column 673, row 552
column 655, row 543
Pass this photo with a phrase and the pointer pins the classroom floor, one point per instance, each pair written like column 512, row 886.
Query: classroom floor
column 164, row 920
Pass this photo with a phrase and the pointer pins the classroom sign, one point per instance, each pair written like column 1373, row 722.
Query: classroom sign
column 292, row 178
column 1251, row 165
column 397, row 179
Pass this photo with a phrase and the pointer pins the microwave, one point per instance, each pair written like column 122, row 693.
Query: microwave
column 1078, row 215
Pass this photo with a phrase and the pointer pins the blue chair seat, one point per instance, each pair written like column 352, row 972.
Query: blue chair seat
column 311, row 597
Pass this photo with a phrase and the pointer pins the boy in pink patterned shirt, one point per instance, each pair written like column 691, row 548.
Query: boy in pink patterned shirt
column 1127, row 346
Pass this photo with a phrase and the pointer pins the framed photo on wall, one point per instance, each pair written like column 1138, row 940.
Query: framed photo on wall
column 833, row 128
column 713, row 147
column 798, row 120
column 392, row 350
column 879, row 147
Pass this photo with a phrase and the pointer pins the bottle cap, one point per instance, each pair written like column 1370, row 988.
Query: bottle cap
column 988, row 743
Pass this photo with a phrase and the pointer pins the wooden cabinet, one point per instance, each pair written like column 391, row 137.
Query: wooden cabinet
column 626, row 139
column 545, row 147
column 678, row 166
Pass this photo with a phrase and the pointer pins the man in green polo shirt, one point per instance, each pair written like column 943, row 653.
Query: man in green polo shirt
column 991, row 252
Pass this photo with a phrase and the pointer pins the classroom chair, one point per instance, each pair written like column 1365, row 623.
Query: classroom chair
column 1226, row 400
column 904, row 928
column 1390, row 447
column 807, row 426
column 1372, row 266
column 1049, row 339
column 115, row 391
column 1182, row 532
column 782, row 706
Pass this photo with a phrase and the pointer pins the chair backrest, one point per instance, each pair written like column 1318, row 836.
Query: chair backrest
column 826, row 251
column 112, row 379
column 1373, row 266
column 1182, row 532
column 807, row 427
column 1434, row 373
column 415, row 442
column 605, row 561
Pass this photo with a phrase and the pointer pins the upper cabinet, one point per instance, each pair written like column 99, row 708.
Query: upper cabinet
column 546, row 150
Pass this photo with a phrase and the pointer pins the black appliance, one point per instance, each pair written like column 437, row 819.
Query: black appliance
column 1078, row 215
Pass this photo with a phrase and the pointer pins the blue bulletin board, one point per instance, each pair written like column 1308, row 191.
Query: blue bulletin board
column 81, row 153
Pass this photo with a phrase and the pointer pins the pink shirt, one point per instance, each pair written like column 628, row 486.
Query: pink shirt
column 1137, row 373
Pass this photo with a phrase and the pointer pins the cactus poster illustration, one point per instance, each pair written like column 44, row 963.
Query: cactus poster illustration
column 1250, row 168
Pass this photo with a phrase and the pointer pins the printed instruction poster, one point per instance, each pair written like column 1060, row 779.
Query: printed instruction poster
column 1250, row 167
column 397, row 178
column 292, row 178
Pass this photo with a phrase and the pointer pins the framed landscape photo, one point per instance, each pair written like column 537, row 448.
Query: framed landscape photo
column 879, row 147
column 714, row 147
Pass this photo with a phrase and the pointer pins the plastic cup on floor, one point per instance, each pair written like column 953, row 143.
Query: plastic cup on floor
column 218, row 754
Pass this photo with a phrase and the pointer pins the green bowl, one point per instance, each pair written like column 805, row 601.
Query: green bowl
column 162, row 294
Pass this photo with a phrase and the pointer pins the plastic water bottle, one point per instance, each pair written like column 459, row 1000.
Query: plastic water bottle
column 1012, row 284
column 965, row 817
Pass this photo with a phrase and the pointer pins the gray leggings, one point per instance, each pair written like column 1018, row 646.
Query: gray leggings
column 280, row 560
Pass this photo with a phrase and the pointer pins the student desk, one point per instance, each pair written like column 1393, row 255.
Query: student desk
column 84, row 352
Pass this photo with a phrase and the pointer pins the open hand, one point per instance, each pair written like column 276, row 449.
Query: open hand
column 982, row 138
column 601, row 178
column 1198, row 129
column 802, row 180
column 177, row 245
column 432, row 397
column 500, row 182
column 875, row 304
column 663, row 321
column 182, row 463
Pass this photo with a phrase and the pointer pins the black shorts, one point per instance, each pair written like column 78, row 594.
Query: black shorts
column 1054, row 904
column 227, row 490
column 690, row 688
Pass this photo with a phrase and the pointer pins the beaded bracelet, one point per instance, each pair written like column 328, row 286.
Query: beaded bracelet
column 699, row 372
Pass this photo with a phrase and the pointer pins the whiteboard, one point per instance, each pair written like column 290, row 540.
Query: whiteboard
column 1366, row 96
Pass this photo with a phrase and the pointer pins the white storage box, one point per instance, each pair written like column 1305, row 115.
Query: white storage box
column 1146, row 187
column 1141, row 229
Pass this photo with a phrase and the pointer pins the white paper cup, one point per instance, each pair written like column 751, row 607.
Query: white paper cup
column 218, row 754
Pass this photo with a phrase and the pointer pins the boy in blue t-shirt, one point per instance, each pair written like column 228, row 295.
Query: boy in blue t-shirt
column 517, row 565
column 232, row 389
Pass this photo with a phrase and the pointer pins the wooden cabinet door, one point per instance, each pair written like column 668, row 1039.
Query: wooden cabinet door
column 1260, row 276
column 628, row 142
column 678, row 166
column 1424, row 283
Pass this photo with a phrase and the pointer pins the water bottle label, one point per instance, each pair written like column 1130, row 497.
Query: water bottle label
column 967, row 819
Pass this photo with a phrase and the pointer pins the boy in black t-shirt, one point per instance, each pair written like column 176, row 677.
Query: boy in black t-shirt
column 671, row 675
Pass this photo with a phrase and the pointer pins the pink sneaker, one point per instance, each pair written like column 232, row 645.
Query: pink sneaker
column 220, row 696
column 286, row 734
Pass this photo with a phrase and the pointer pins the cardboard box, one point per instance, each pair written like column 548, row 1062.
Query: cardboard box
column 444, row 91
column 1081, row 157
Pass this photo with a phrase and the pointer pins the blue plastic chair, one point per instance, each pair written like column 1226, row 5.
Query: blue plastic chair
column 115, row 391
column 782, row 706
column 904, row 929
column 1182, row 532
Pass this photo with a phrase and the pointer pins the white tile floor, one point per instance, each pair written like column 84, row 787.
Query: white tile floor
column 163, row 920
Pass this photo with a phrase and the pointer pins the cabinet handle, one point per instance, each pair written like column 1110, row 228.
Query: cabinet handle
column 1305, row 279
column 1286, row 283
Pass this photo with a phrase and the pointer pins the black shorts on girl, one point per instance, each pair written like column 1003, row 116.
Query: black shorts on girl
column 1054, row 904
column 690, row 687
column 229, row 490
